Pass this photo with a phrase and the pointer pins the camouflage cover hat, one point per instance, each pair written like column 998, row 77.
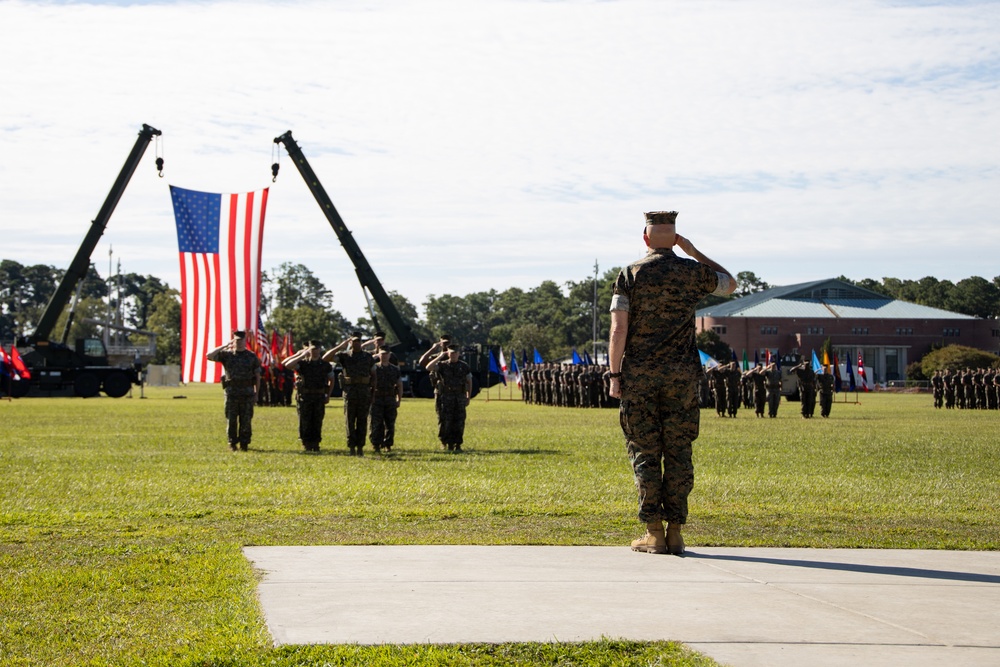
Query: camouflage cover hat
column 356, row 334
column 379, row 334
column 315, row 343
column 661, row 218
column 239, row 334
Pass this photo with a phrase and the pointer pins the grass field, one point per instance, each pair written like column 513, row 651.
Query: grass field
column 121, row 521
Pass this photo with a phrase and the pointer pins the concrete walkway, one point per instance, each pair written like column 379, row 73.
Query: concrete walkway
column 742, row 607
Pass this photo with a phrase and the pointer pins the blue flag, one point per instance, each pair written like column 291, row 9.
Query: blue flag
column 495, row 368
column 707, row 361
column 513, row 368
column 817, row 367
column 756, row 359
column 524, row 358
column 850, row 377
column 586, row 358
column 538, row 357
column 576, row 358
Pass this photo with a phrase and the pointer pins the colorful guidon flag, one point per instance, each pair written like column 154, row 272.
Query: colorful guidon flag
column 219, row 240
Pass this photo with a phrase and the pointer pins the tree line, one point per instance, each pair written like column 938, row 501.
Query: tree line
column 552, row 318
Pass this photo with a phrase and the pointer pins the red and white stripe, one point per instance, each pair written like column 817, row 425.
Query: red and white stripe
column 220, row 292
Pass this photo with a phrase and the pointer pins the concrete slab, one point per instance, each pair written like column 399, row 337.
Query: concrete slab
column 743, row 607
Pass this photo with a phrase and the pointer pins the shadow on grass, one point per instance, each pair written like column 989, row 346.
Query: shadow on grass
column 403, row 454
column 915, row 572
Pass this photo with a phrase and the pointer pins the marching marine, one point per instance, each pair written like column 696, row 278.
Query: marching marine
column 241, row 384
column 313, row 385
column 358, row 375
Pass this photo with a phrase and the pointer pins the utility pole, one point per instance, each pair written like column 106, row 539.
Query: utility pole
column 595, row 312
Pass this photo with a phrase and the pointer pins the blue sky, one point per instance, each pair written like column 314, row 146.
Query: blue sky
column 471, row 145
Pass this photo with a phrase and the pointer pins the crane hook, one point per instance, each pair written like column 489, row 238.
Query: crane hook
column 274, row 172
column 159, row 166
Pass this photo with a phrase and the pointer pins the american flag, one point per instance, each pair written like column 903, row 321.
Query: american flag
column 861, row 372
column 219, row 238
column 263, row 347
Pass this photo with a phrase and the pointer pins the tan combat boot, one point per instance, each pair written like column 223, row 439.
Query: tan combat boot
column 675, row 541
column 654, row 541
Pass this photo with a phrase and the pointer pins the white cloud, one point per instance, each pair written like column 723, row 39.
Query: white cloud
column 471, row 145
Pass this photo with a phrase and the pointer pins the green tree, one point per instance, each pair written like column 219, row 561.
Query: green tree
column 748, row 283
column 467, row 319
column 580, row 306
column 294, row 285
column 957, row 357
column 406, row 310
column 164, row 319
column 307, row 322
column 138, row 292
column 711, row 344
column 977, row 297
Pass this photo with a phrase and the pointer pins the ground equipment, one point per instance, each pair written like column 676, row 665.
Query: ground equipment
column 54, row 365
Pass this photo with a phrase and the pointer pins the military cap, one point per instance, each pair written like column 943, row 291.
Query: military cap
column 239, row 334
column 357, row 334
column 661, row 218
column 315, row 343
column 379, row 334
column 445, row 337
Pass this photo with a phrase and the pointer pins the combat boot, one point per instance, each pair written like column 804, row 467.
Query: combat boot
column 653, row 542
column 675, row 541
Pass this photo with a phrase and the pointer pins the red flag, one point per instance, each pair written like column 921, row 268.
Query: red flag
column 219, row 239
column 289, row 345
column 6, row 367
column 18, row 363
column 275, row 351
column 861, row 371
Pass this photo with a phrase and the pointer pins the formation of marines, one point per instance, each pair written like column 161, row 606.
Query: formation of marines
column 567, row 385
column 967, row 389
column 726, row 388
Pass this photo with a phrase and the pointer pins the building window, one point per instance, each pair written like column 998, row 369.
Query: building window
column 719, row 328
column 859, row 331
column 954, row 333
column 769, row 331
column 814, row 331
column 904, row 331
column 996, row 333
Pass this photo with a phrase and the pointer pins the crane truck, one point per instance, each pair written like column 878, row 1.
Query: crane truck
column 407, row 348
column 84, row 368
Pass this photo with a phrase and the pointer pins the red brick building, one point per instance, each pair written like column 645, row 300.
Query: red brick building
column 888, row 333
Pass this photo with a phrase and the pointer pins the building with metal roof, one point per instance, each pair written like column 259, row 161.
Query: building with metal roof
column 886, row 332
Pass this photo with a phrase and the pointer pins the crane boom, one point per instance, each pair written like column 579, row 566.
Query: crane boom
column 81, row 263
column 408, row 341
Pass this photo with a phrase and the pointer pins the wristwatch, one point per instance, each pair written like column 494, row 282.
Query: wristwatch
column 615, row 375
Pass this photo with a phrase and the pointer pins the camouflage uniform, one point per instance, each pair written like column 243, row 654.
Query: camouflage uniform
column 826, row 384
column 733, row 397
column 991, row 379
column 949, row 390
column 717, row 378
column 758, row 381
column 357, row 368
column 937, row 384
column 453, row 383
column 773, row 378
column 807, row 388
column 313, row 388
column 242, row 370
column 661, row 369
column 383, row 412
